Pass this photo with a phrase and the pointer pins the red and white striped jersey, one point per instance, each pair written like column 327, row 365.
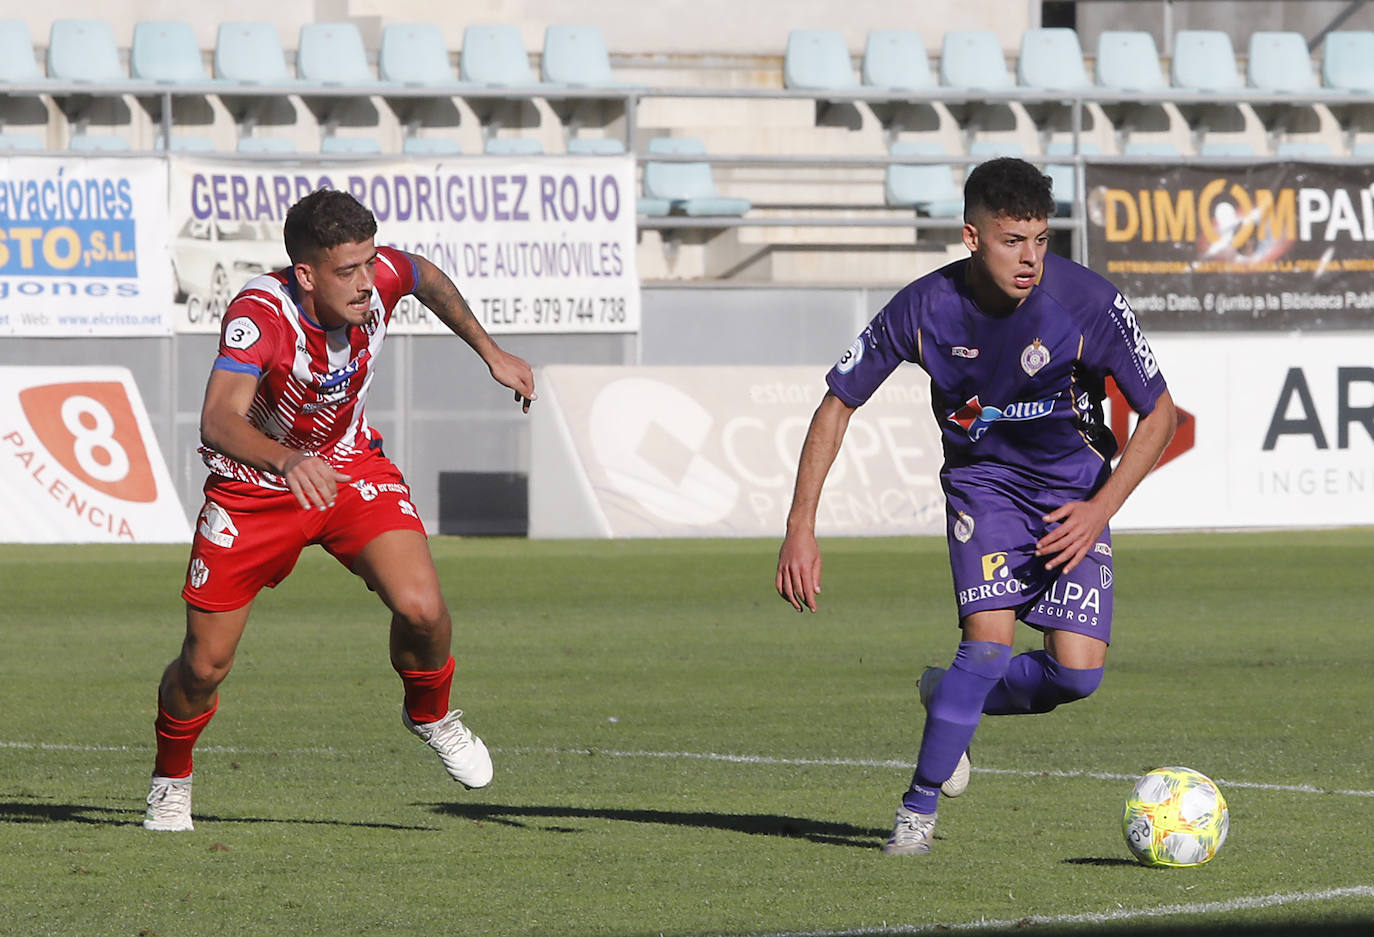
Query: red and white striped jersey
column 312, row 381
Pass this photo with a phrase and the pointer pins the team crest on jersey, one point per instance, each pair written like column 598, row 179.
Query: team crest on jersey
column 366, row 489
column 963, row 351
column 199, row 573
column 1034, row 357
column 216, row 526
column 963, row 527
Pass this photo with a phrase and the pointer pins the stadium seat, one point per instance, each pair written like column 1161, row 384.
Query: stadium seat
column 1127, row 60
column 512, row 146
column 1151, row 148
column 250, row 53
column 1063, row 176
column 927, row 187
column 84, row 51
column 495, row 55
column 817, row 60
column 350, row 146
column 596, row 146
column 166, row 52
column 266, row 145
column 972, row 59
column 414, row 54
column 896, row 60
column 18, row 65
column 97, row 143
column 1204, row 60
column 1231, row 148
column 332, row 54
column 21, row 141
column 1051, row 59
column 576, row 56
column 1278, row 62
column 431, row 146
column 1363, row 148
column 1348, row 60
column 186, row 143
column 1304, row 149
column 991, row 149
column 653, row 207
column 688, row 187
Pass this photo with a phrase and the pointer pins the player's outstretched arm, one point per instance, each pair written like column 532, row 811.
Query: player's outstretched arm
column 224, row 427
column 1082, row 522
column 441, row 296
column 799, row 560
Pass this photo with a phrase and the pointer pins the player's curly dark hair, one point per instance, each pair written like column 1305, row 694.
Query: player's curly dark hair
column 323, row 219
column 1008, row 186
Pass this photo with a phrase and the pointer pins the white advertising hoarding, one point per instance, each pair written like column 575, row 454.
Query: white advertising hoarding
column 79, row 462
column 535, row 244
column 83, row 247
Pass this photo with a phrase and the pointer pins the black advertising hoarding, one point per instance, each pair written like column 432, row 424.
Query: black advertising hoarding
column 1259, row 246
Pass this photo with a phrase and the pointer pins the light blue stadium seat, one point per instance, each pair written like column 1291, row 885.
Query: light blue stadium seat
column 1304, row 149
column 1237, row 148
column 653, row 207
column 1278, row 62
column 817, row 60
column 414, row 54
column 186, row 143
column 1204, row 60
column 1151, row 148
column 431, row 146
column 266, row 145
column 85, row 51
column 896, row 60
column 512, row 146
column 1063, row 178
column 250, row 53
column 1363, row 148
column 18, row 64
column 97, row 143
column 596, row 146
column 991, row 149
column 688, row 187
column 167, row 52
column 973, row 59
column 495, row 55
column 21, row 141
column 927, row 187
column 1127, row 60
column 1348, row 60
column 332, row 54
column 350, row 146
column 1051, row 59
column 576, row 56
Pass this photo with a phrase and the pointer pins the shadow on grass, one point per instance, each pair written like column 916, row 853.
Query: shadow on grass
column 754, row 824
column 12, row 812
column 1100, row 860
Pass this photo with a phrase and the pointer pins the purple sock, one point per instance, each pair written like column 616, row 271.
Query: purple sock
column 952, row 715
column 1036, row 683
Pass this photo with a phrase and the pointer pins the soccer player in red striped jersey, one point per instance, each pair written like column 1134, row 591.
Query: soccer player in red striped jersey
column 293, row 461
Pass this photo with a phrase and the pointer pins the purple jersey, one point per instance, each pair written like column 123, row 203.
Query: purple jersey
column 1018, row 397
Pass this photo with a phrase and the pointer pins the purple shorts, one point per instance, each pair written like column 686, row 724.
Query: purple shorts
column 992, row 535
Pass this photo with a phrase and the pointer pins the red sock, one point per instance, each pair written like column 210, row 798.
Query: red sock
column 175, row 739
column 427, row 692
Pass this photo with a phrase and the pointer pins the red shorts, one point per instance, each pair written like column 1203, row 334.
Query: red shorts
column 248, row 537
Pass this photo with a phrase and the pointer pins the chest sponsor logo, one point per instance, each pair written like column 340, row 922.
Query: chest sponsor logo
column 975, row 418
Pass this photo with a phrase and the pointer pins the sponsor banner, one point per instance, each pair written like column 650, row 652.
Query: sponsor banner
column 1270, row 245
column 712, row 452
column 1281, row 433
column 83, row 247
column 535, row 244
column 79, row 462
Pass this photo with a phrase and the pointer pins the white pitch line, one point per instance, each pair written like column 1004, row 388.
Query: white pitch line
column 1253, row 903
column 710, row 756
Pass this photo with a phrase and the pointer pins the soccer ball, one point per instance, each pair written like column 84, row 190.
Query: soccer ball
column 1175, row 817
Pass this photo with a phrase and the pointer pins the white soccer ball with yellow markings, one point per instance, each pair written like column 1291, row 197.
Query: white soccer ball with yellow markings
column 1175, row 817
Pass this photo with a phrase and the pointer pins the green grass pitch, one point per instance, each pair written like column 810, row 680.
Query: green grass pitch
column 678, row 752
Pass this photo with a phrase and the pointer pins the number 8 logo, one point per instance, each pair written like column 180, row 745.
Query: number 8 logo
column 89, row 427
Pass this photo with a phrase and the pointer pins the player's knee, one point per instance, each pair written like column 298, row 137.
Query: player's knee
column 201, row 674
column 420, row 610
column 1067, row 684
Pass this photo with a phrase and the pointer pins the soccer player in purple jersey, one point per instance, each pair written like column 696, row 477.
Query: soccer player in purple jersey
column 1018, row 344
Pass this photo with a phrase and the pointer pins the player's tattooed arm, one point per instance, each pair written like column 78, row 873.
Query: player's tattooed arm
column 442, row 297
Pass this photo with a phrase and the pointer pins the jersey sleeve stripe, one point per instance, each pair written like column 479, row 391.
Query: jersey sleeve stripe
column 225, row 363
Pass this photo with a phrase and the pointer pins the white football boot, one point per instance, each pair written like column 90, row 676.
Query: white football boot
column 463, row 754
column 911, row 833
column 957, row 782
column 169, row 805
